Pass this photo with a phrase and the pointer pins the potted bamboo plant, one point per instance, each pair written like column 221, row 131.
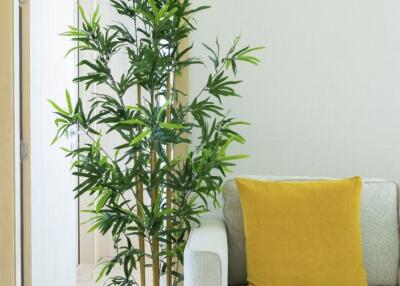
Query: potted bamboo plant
column 145, row 195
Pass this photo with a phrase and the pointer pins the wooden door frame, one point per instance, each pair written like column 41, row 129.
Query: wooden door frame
column 26, row 142
column 7, row 146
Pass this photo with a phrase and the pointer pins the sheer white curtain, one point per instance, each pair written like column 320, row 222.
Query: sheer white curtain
column 54, row 210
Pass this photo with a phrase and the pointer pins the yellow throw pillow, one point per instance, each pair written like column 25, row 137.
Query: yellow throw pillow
column 303, row 233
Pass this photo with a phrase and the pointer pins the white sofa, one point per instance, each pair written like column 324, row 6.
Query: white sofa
column 215, row 253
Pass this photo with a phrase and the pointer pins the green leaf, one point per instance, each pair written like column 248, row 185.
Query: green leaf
column 56, row 107
column 60, row 121
column 102, row 201
column 82, row 13
column 235, row 157
column 102, row 272
column 96, row 16
column 74, row 49
column 171, row 126
column 69, row 102
column 140, row 137
column 153, row 6
column 198, row 9
column 132, row 122
column 94, row 227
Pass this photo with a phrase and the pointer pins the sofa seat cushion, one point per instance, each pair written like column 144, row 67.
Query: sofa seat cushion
column 379, row 226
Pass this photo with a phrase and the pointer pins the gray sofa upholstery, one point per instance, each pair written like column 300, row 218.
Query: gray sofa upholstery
column 216, row 256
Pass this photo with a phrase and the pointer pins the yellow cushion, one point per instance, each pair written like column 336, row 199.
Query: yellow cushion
column 303, row 233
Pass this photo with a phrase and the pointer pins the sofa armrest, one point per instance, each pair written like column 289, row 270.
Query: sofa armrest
column 206, row 255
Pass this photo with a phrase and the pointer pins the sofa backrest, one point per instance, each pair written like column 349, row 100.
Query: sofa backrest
column 379, row 223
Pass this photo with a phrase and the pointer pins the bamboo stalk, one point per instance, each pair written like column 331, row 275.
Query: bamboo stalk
column 169, row 191
column 180, row 151
column 139, row 190
column 155, row 244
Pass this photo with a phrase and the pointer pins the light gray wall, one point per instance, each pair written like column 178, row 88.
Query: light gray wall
column 326, row 99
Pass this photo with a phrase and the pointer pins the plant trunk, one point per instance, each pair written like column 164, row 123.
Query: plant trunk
column 155, row 244
column 139, row 191
column 169, row 191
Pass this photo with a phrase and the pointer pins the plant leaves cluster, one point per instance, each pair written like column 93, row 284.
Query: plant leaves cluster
column 112, row 177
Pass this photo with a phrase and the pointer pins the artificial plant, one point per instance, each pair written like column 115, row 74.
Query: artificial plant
column 142, row 193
